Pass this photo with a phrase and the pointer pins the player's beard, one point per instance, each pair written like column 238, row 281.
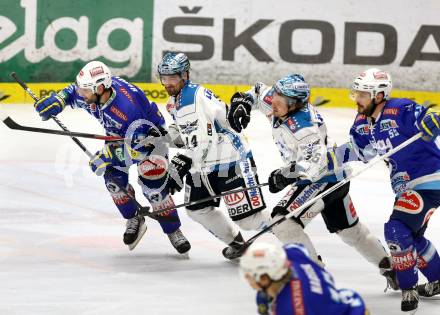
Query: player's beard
column 173, row 91
column 367, row 110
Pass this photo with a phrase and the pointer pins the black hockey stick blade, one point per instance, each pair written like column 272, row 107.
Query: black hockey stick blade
column 8, row 121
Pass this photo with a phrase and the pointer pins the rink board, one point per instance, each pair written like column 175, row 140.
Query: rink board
column 12, row 93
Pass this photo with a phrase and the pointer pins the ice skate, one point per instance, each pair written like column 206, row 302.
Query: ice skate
column 410, row 301
column 136, row 228
column 429, row 289
column 179, row 241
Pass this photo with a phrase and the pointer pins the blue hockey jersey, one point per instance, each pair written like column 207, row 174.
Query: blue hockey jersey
column 128, row 109
column 416, row 166
column 311, row 290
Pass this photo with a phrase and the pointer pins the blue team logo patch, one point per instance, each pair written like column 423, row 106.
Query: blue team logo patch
column 388, row 124
column 189, row 127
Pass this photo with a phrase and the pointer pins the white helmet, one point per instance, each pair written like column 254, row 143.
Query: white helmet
column 373, row 81
column 264, row 258
column 93, row 75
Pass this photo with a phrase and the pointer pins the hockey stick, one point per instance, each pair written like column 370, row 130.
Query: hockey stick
column 373, row 162
column 8, row 121
column 140, row 208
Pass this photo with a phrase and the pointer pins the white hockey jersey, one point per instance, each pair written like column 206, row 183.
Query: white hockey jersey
column 201, row 120
column 300, row 138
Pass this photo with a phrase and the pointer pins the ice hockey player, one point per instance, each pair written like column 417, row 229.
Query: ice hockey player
column 288, row 282
column 123, row 110
column 216, row 158
column 301, row 137
column 383, row 123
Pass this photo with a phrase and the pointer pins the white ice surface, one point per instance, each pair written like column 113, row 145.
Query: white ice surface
column 61, row 249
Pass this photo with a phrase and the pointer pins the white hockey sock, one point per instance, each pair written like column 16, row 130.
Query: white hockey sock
column 215, row 222
column 256, row 221
column 360, row 237
column 291, row 232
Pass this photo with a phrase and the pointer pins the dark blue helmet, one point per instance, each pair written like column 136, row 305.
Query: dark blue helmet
column 173, row 63
column 294, row 87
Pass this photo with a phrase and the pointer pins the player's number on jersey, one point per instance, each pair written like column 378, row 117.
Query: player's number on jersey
column 383, row 145
column 191, row 143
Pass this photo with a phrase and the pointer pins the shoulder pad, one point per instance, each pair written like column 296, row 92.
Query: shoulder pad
column 299, row 120
column 395, row 106
column 188, row 94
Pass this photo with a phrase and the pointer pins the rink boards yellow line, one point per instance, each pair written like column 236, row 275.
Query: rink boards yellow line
column 12, row 93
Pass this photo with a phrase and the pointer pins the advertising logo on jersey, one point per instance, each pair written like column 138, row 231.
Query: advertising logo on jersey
column 388, row 124
column 154, row 167
column 209, row 129
column 118, row 113
column 405, row 260
column 363, row 129
column 127, row 95
column 297, row 296
column 391, row 111
column 233, row 199
column 409, row 202
column 119, row 197
column 189, row 127
column 238, row 210
column 283, row 202
column 350, row 210
column 308, row 193
column 254, row 195
column 161, row 204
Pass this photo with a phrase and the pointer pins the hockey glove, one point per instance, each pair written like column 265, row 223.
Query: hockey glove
column 50, row 106
column 282, row 177
column 179, row 168
column 239, row 114
column 108, row 156
column 431, row 126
